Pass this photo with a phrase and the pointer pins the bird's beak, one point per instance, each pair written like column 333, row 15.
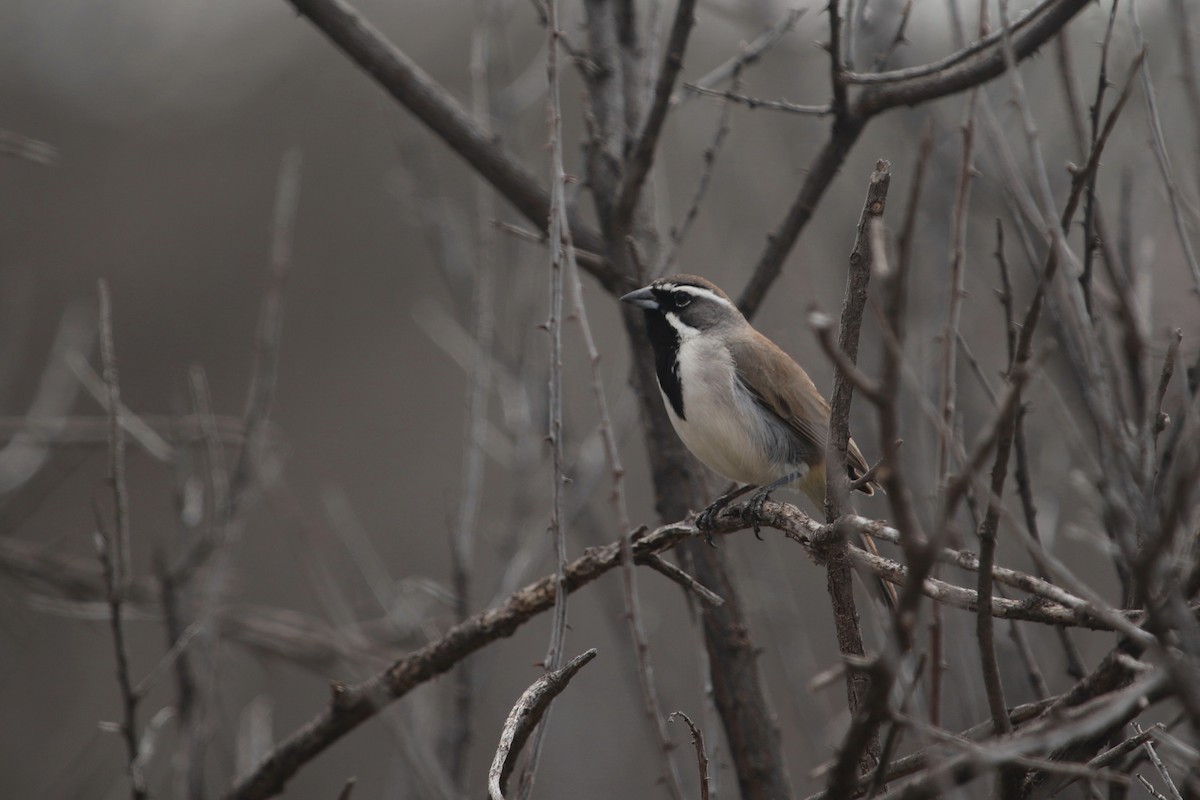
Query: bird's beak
column 642, row 298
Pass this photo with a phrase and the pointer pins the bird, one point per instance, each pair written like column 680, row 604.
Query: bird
column 739, row 403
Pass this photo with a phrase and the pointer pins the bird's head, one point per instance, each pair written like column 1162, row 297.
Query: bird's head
column 688, row 303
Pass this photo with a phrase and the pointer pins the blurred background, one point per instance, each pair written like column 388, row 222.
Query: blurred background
column 170, row 121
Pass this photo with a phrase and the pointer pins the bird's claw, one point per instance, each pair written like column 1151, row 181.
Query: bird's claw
column 706, row 519
column 755, row 511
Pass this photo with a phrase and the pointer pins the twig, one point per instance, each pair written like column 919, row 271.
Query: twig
column 142, row 433
column 751, row 53
column 122, row 569
column 270, row 326
column 674, row 573
column 527, row 713
column 1089, row 209
column 822, row 325
column 1158, row 764
column 1157, row 420
column 114, row 549
column 757, row 102
column 898, row 39
column 956, row 291
column 701, row 756
column 637, row 165
column 680, row 231
column 590, row 261
column 836, row 67
column 46, row 421
column 1149, row 787
column 560, row 245
column 942, row 64
column 1160, row 154
column 245, row 474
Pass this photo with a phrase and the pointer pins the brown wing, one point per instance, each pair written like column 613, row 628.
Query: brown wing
column 783, row 389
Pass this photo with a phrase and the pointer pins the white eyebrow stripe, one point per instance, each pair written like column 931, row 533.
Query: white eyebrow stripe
column 699, row 291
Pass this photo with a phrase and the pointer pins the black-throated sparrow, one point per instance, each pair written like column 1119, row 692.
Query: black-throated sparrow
column 740, row 404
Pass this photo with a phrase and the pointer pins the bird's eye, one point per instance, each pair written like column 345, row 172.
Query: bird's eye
column 681, row 300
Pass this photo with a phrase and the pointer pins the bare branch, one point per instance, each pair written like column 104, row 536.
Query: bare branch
column 1158, row 764
column 973, row 70
column 701, row 756
column 1160, row 154
column 637, row 165
column 525, row 716
column 756, row 102
column 674, row 573
column 749, row 55
column 435, row 107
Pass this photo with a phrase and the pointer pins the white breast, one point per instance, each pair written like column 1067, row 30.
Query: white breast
column 723, row 427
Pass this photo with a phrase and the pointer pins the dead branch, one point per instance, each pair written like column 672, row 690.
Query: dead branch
column 525, row 716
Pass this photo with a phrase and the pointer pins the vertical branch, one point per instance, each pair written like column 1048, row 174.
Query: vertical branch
column 950, row 332
column 839, row 577
column 114, row 549
column 560, row 233
column 1160, row 154
column 1089, row 208
column 836, row 77
column 857, row 278
column 270, row 330
column 637, row 166
column 1024, row 484
column 116, row 447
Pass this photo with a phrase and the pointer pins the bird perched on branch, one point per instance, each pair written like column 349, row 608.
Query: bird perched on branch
column 740, row 404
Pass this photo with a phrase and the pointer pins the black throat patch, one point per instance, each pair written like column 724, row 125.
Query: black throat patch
column 665, row 341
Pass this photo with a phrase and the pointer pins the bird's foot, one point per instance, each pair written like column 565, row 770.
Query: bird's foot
column 755, row 510
column 707, row 519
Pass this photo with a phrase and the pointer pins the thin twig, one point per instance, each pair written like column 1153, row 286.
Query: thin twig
column 941, row 65
column 122, row 559
column 680, row 231
column 977, row 68
column 114, row 549
column 1158, row 764
column 641, row 158
column 898, row 39
column 753, row 103
column 701, row 756
column 1163, row 160
column 747, row 56
column 560, row 244
column 674, row 573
